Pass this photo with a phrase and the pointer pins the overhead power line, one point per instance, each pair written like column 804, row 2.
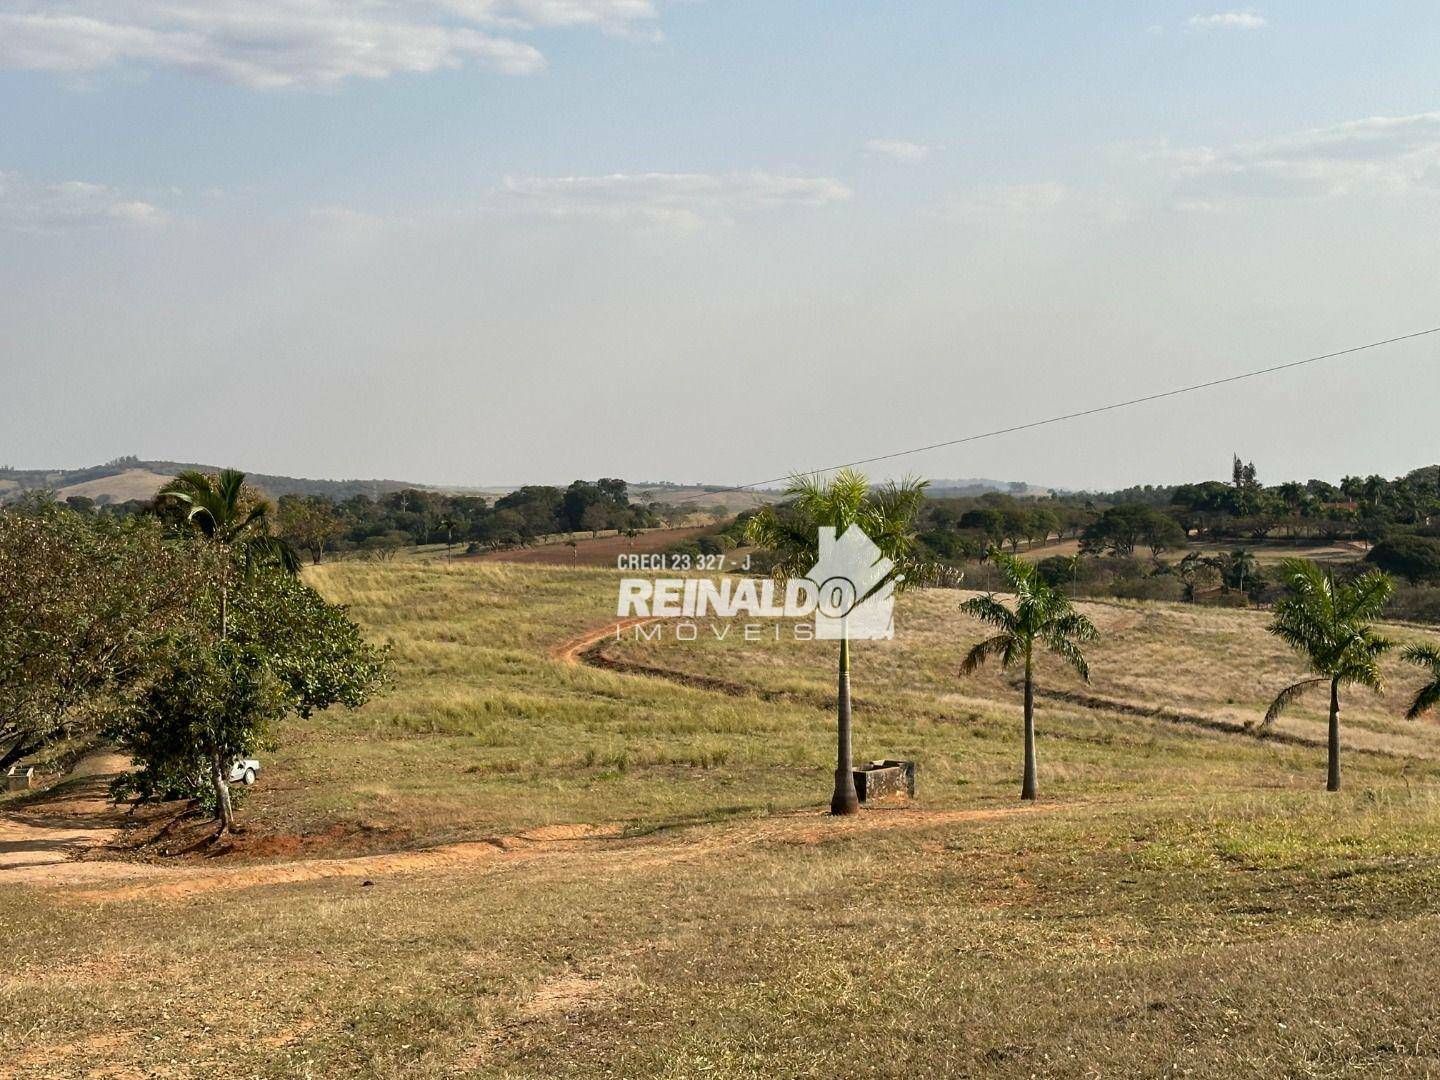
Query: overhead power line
column 1097, row 410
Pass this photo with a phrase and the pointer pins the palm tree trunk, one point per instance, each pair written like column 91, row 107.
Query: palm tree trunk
column 1332, row 780
column 224, row 811
column 844, row 800
column 1027, row 786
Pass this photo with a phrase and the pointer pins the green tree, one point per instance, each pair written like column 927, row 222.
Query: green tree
column 595, row 517
column 1041, row 614
column 1041, row 522
column 1428, row 696
column 1194, row 570
column 1162, row 532
column 86, row 601
column 1415, row 558
column 231, row 516
column 447, row 523
column 1237, row 568
column 791, row 533
column 285, row 650
column 230, row 513
column 1330, row 624
column 216, row 703
column 285, row 627
column 308, row 523
column 1119, row 529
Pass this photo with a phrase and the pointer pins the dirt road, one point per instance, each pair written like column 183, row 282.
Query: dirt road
column 63, row 827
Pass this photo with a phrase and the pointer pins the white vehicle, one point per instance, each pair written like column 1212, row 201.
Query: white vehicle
column 244, row 771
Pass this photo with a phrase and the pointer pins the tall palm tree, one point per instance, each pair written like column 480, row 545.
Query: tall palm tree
column 448, row 524
column 792, row 533
column 1041, row 615
column 1239, row 567
column 229, row 514
column 1330, row 624
column 1428, row 696
column 237, row 522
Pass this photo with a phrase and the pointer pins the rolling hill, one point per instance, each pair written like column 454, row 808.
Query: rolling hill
column 129, row 478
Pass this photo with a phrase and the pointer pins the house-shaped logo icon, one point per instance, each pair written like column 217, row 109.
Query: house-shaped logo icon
column 856, row 588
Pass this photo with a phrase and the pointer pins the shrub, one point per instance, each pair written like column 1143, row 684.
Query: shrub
column 1415, row 603
column 1157, row 587
column 1415, row 558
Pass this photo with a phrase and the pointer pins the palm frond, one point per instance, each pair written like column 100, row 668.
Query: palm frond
column 794, row 544
column 1426, row 656
column 1068, row 651
column 203, row 518
column 1072, row 624
column 230, row 485
column 990, row 610
column 1286, row 697
column 1001, row 645
column 1365, row 599
column 270, row 551
column 1426, row 699
column 1018, row 574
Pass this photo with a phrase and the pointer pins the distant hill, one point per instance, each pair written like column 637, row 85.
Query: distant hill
column 971, row 486
column 130, row 478
column 701, row 496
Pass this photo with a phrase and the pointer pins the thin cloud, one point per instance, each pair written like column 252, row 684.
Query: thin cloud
column 898, row 150
column 29, row 205
column 307, row 44
column 1378, row 154
column 1229, row 20
column 685, row 199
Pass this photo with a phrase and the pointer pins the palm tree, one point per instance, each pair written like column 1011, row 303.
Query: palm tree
column 1330, row 624
column 448, row 524
column 230, row 515
column 1428, row 696
column 1239, row 565
column 232, row 518
column 792, row 533
column 1042, row 614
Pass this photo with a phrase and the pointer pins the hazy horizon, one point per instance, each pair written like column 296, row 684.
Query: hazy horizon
column 936, row 482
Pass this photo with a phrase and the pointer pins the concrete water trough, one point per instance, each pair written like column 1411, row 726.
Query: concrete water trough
column 19, row 778
column 885, row 779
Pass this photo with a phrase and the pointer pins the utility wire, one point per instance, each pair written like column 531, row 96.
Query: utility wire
column 1075, row 415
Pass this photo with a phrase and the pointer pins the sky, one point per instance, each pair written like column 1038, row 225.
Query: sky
column 506, row 241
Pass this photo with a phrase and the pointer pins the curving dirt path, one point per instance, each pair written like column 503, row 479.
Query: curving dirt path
column 605, row 847
column 572, row 652
column 42, row 845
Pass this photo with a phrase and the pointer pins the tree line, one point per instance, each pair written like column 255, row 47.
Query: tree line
column 1160, row 519
column 317, row 526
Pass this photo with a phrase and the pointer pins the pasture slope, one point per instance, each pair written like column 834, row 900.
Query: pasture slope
column 603, row 551
column 519, row 864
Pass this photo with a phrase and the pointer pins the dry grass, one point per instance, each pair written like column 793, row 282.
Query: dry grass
column 1276, row 935
column 1183, row 902
column 1202, row 662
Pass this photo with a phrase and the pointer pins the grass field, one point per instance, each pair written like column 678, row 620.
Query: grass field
column 659, row 894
